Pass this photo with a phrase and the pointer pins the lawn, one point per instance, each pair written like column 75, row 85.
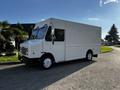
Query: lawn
column 5, row 59
column 105, row 49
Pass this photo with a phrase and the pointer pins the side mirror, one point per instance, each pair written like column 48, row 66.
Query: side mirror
column 53, row 36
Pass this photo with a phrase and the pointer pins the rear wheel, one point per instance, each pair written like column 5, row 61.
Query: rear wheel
column 89, row 55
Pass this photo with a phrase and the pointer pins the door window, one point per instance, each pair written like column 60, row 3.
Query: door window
column 49, row 35
column 59, row 35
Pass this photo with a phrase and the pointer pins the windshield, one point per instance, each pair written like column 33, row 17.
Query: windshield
column 39, row 32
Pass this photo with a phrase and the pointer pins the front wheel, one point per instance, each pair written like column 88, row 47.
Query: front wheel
column 89, row 55
column 46, row 62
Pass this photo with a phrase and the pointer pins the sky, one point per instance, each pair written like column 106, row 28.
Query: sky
column 101, row 13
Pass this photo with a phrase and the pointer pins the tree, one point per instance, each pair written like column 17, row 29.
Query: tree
column 9, row 32
column 112, row 37
column 2, row 39
column 0, row 25
column 108, row 39
column 4, row 25
column 18, row 30
column 19, row 26
column 30, row 31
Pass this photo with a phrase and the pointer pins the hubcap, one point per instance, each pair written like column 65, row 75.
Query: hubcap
column 47, row 63
column 89, row 56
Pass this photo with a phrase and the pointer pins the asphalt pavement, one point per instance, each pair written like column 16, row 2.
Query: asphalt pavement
column 103, row 73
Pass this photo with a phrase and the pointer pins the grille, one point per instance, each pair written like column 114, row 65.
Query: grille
column 24, row 50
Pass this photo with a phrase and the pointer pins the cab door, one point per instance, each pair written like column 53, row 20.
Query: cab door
column 55, row 43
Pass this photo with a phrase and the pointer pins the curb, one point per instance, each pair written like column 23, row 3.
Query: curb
column 10, row 63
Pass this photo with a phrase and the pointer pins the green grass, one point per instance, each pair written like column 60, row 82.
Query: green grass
column 6, row 59
column 105, row 49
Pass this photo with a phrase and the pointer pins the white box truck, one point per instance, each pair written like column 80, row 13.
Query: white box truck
column 54, row 40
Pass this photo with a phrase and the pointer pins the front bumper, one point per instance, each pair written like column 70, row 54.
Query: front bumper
column 28, row 60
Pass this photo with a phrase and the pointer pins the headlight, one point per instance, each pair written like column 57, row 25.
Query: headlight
column 24, row 50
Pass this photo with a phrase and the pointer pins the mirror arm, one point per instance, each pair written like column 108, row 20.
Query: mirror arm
column 53, row 39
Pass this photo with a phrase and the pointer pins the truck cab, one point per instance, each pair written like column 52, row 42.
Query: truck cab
column 45, row 46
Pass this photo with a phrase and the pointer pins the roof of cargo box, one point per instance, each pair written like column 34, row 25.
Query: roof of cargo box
column 71, row 22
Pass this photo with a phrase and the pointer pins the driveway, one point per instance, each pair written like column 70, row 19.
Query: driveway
column 103, row 73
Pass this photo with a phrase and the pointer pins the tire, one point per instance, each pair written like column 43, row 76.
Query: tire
column 89, row 55
column 46, row 62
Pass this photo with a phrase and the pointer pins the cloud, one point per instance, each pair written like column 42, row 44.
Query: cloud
column 43, row 19
column 93, row 19
column 111, row 1
column 100, row 3
column 103, row 2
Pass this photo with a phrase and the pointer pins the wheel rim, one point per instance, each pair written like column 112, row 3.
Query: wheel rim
column 47, row 63
column 89, row 56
